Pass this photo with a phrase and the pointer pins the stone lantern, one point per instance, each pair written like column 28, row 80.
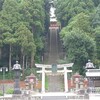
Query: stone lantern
column 27, row 83
column 32, row 81
column 17, row 73
column 78, row 81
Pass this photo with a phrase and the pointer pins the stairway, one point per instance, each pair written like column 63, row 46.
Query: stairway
column 53, row 49
column 53, row 54
column 56, row 83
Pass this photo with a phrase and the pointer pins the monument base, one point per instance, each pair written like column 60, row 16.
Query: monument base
column 17, row 92
column 17, row 97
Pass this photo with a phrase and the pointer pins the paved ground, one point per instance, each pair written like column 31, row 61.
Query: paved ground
column 56, row 83
column 54, row 98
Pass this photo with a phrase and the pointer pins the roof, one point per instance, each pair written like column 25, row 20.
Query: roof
column 93, row 73
column 50, row 66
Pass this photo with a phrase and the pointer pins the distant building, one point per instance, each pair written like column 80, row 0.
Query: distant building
column 93, row 76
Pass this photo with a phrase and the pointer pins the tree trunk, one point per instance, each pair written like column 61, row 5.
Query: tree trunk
column 26, row 62
column 0, row 53
column 23, row 63
column 10, row 57
column 32, row 60
column 22, row 60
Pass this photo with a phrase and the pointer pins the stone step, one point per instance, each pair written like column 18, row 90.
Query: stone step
column 56, row 83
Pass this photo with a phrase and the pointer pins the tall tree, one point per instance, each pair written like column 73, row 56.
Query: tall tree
column 1, row 4
column 97, row 39
column 9, row 17
column 26, row 42
column 96, row 19
column 96, row 2
column 79, row 48
column 34, row 11
column 69, row 8
column 9, row 39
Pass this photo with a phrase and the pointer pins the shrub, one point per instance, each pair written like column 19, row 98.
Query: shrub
column 10, row 91
column 1, row 94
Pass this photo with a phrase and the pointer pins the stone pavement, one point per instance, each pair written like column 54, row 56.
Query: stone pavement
column 54, row 98
column 56, row 83
column 47, row 96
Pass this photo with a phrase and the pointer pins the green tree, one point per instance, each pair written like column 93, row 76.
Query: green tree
column 9, row 39
column 34, row 11
column 97, row 39
column 1, row 3
column 1, row 44
column 80, row 21
column 26, row 42
column 96, row 19
column 79, row 48
column 8, row 17
column 69, row 8
column 96, row 2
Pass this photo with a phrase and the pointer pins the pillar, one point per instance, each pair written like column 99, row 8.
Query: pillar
column 65, row 80
column 43, row 79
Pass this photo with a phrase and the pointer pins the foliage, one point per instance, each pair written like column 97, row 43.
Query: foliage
column 96, row 17
column 80, row 21
column 1, row 94
column 96, row 2
column 79, row 48
column 25, row 39
column 9, row 91
column 97, row 39
column 80, row 31
column 70, row 8
column 28, row 71
column 46, row 83
column 8, row 75
column 1, row 3
column 22, row 25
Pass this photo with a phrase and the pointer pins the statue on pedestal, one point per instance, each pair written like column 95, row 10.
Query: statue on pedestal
column 89, row 65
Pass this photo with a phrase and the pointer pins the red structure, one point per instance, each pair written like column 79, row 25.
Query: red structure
column 54, row 25
column 77, row 79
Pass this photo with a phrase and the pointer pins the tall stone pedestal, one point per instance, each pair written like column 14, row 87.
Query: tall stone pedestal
column 17, row 97
column 16, row 82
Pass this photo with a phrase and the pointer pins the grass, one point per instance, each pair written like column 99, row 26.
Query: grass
column 9, row 91
column 46, row 83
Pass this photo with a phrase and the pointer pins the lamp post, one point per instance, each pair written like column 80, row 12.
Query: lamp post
column 3, row 70
column 17, row 72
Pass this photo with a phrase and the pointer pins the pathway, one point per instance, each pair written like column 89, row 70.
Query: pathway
column 56, row 83
column 53, row 52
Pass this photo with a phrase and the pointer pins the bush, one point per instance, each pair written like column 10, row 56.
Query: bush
column 9, row 91
column 1, row 94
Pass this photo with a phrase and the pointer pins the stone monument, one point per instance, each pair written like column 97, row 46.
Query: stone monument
column 17, row 73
